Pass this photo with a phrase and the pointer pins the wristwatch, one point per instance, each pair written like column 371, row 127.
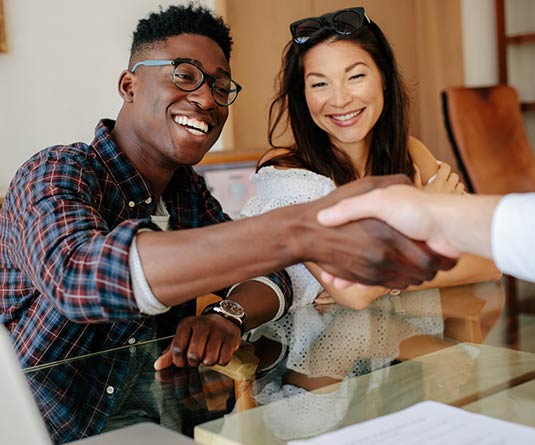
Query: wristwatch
column 228, row 309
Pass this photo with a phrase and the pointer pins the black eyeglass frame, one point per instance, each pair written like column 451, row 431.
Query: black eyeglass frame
column 208, row 78
column 329, row 21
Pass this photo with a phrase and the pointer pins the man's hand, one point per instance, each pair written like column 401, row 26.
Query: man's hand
column 404, row 208
column 369, row 251
column 206, row 339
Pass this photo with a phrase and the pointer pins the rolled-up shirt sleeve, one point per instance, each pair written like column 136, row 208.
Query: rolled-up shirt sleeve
column 512, row 236
column 145, row 299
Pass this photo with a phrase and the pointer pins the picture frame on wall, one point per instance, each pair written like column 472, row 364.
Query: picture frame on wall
column 3, row 38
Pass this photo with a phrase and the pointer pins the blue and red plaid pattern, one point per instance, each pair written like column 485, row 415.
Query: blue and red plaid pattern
column 65, row 230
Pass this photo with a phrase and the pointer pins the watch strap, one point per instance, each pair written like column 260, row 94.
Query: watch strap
column 215, row 308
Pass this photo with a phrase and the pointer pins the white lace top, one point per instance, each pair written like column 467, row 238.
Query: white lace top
column 336, row 341
column 279, row 188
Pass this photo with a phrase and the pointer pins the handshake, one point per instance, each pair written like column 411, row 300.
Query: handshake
column 395, row 237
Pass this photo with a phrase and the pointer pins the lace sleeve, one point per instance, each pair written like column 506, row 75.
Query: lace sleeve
column 279, row 188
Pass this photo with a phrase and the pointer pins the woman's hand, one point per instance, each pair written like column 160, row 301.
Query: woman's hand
column 356, row 296
column 324, row 298
column 443, row 181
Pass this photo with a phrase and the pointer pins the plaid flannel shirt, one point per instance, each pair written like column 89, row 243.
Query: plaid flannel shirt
column 66, row 227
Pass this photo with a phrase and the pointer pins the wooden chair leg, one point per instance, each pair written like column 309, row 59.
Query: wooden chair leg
column 242, row 369
column 512, row 311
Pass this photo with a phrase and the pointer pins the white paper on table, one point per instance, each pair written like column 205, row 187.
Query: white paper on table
column 428, row 423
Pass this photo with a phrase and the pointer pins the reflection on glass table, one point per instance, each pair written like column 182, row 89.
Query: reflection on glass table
column 334, row 367
column 317, row 369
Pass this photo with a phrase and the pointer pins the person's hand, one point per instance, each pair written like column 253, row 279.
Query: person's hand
column 355, row 297
column 208, row 339
column 443, row 181
column 324, row 298
column 369, row 251
column 358, row 297
column 402, row 207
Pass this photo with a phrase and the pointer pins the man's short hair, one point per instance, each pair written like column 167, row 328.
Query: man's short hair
column 181, row 19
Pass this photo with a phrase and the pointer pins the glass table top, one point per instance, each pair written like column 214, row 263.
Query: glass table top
column 317, row 369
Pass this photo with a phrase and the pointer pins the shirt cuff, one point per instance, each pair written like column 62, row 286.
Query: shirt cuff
column 511, row 239
column 274, row 288
column 146, row 301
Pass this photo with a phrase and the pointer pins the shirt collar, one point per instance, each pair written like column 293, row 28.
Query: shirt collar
column 131, row 183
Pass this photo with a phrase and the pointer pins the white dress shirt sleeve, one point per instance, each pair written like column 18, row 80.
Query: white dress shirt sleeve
column 513, row 235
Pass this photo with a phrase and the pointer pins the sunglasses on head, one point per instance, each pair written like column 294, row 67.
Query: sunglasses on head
column 343, row 22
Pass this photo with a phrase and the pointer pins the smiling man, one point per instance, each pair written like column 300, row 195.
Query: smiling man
column 106, row 244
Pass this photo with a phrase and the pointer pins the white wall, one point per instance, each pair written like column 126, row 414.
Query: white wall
column 60, row 73
column 479, row 42
column 480, row 53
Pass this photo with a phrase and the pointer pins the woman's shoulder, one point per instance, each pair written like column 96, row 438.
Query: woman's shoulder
column 272, row 154
column 419, row 150
column 279, row 157
column 289, row 178
column 269, row 169
column 422, row 158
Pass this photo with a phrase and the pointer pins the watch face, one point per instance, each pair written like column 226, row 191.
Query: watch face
column 232, row 308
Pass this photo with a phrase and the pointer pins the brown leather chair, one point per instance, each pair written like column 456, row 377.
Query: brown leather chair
column 490, row 143
column 488, row 137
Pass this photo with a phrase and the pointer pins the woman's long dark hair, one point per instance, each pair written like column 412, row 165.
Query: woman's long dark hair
column 312, row 149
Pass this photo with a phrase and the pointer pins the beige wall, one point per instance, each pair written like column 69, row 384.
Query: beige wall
column 426, row 36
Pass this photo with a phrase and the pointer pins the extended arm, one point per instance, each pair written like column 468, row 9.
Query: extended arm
column 65, row 246
column 450, row 224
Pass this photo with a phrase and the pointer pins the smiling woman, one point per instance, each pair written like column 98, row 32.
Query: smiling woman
column 435, row 30
column 3, row 40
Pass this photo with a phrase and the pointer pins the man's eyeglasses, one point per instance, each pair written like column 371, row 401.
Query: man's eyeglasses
column 189, row 77
column 343, row 22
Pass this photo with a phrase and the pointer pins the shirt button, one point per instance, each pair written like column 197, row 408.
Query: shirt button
column 148, row 200
column 131, row 341
column 110, row 390
column 131, row 204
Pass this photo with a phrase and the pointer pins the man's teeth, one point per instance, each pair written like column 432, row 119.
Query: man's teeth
column 194, row 126
column 348, row 116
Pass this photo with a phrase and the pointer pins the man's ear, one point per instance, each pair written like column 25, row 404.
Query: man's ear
column 126, row 85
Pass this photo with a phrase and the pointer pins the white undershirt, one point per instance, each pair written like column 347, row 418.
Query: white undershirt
column 145, row 299
column 513, row 235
